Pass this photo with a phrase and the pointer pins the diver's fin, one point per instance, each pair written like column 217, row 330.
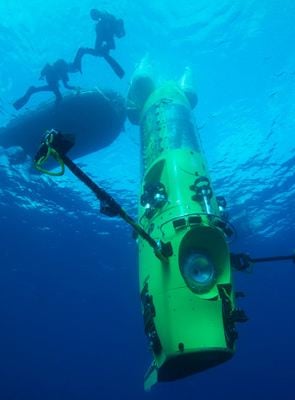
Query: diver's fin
column 23, row 100
column 18, row 104
column 114, row 65
column 151, row 377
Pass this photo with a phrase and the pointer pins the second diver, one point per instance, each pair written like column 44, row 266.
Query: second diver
column 107, row 28
column 52, row 73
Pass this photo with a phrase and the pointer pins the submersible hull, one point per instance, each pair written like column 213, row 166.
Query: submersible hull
column 187, row 299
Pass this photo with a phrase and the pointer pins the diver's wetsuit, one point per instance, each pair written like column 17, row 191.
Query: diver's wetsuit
column 106, row 28
column 53, row 74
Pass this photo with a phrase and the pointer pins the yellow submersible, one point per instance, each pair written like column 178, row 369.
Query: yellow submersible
column 187, row 298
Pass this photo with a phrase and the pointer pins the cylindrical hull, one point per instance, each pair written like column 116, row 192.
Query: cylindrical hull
column 187, row 299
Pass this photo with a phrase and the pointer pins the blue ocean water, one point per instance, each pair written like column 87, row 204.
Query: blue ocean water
column 71, row 325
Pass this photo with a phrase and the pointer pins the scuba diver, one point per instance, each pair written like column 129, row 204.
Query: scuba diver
column 107, row 27
column 52, row 73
